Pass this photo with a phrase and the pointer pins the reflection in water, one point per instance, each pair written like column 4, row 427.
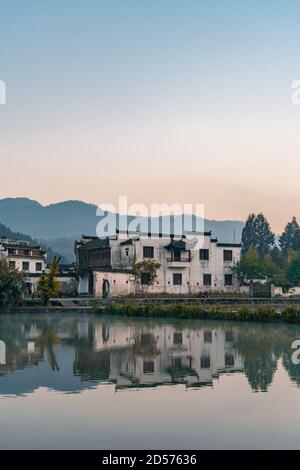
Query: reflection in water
column 73, row 353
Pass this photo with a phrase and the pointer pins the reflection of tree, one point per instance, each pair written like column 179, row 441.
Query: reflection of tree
column 260, row 372
column 261, row 346
column 145, row 344
column 46, row 342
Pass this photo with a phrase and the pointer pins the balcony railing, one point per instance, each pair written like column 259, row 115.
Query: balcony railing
column 176, row 260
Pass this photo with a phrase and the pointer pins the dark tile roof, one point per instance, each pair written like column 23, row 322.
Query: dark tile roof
column 230, row 245
column 96, row 243
column 127, row 242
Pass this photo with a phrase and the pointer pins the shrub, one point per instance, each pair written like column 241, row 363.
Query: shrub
column 291, row 315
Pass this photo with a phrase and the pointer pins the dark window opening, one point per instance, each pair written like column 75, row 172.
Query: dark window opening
column 38, row 266
column 148, row 252
column 227, row 255
column 228, row 280
column 229, row 360
column 148, row 367
column 177, row 279
column 25, row 266
column 204, row 255
column 177, row 338
column 12, row 265
column 207, row 336
column 145, row 278
column 228, row 336
column 207, row 279
column 205, row 362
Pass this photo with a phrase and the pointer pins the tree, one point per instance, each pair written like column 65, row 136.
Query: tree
column 269, row 267
column 293, row 268
column 12, row 286
column 248, row 233
column 149, row 266
column 249, row 266
column 257, row 233
column 290, row 238
column 48, row 286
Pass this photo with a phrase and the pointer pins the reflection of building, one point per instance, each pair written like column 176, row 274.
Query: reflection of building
column 78, row 353
column 106, row 264
column 146, row 356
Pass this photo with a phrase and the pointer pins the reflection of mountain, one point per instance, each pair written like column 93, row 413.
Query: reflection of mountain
column 70, row 354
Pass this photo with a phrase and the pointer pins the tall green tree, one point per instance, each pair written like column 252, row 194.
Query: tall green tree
column 257, row 233
column 48, row 286
column 293, row 268
column 290, row 238
column 248, row 233
column 12, row 286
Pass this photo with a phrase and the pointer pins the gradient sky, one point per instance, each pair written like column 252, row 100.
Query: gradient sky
column 163, row 100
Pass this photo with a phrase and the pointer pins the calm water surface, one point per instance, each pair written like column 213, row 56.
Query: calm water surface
column 70, row 381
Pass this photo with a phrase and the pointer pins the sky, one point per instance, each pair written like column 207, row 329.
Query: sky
column 164, row 101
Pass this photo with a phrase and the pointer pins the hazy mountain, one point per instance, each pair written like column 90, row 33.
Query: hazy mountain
column 6, row 232
column 58, row 225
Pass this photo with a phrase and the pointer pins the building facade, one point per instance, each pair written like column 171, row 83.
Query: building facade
column 23, row 256
column 105, row 265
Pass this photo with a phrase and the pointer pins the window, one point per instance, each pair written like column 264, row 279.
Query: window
column 25, row 266
column 148, row 367
column 204, row 255
column 126, row 251
column 177, row 279
column 227, row 255
column 148, row 252
column 229, row 360
column 177, row 255
column 205, row 362
column 207, row 279
column 12, row 265
column 207, row 336
column 145, row 278
column 177, row 338
column 228, row 280
column 11, row 251
column 38, row 267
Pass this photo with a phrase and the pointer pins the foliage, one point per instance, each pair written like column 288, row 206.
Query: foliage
column 293, row 267
column 262, row 313
column 12, row 286
column 257, row 233
column 249, row 266
column 149, row 266
column 290, row 238
column 48, row 285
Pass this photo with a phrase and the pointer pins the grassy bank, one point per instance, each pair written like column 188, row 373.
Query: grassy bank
column 289, row 314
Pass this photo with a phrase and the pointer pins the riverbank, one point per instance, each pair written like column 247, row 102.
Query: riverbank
column 277, row 312
column 289, row 314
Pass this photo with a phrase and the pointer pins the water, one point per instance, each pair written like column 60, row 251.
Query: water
column 84, row 382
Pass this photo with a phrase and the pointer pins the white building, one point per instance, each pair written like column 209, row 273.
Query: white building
column 20, row 255
column 105, row 265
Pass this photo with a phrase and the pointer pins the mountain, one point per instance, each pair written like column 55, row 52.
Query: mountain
column 58, row 225
column 5, row 232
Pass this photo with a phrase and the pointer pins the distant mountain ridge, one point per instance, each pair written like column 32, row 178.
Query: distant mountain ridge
column 5, row 232
column 59, row 224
